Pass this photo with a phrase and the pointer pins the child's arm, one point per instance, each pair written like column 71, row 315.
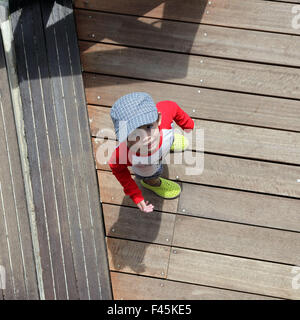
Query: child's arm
column 182, row 118
column 130, row 187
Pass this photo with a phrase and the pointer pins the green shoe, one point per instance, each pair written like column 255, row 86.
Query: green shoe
column 180, row 143
column 167, row 189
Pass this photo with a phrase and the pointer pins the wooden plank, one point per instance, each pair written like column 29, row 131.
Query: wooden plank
column 233, row 273
column 247, row 14
column 138, row 257
column 146, row 288
column 72, row 245
column 23, row 47
column 190, row 70
column 131, row 224
column 205, row 103
column 236, row 239
column 188, row 38
column 223, row 138
column 215, row 203
column 238, row 206
column 65, row 95
column 16, row 253
column 96, row 224
column 228, row 172
column 112, row 192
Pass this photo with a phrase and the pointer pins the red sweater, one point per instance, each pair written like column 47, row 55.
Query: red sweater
column 169, row 111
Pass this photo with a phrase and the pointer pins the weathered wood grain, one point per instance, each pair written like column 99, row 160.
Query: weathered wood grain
column 223, row 138
column 71, row 237
column 111, row 191
column 188, row 38
column 16, row 253
column 205, row 103
column 132, row 224
column 215, row 203
column 138, row 257
column 233, row 273
column 225, row 171
column 247, row 14
column 190, row 70
column 146, row 288
column 238, row 206
column 236, row 239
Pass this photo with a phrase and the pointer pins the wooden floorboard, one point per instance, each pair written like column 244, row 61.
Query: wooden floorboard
column 203, row 234
column 112, row 192
column 214, row 203
column 247, row 14
column 73, row 259
column 138, row 257
column 189, row 38
column 223, row 138
column 239, row 206
column 199, row 103
column 233, row 66
column 131, row 224
column 146, row 288
column 190, row 70
column 234, row 273
column 229, row 172
column 16, row 254
column 219, row 236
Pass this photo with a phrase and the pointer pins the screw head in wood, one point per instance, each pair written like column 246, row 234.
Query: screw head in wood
column 183, row 210
column 174, row 251
column 98, row 97
column 205, row 34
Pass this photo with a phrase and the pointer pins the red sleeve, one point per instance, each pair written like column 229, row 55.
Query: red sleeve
column 123, row 175
column 172, row 112
column 182, row 118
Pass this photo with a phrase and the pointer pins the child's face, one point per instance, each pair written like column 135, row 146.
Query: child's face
column 146, row 138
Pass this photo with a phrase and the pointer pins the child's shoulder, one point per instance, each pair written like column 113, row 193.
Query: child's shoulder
column 167, row 107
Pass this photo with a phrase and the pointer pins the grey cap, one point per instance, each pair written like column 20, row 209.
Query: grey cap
column 132, row 111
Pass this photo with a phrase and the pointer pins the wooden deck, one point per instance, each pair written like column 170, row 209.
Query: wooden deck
column 233, row 65
column 52, row 243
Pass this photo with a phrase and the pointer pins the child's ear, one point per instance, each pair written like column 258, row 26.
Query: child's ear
column 159, row 119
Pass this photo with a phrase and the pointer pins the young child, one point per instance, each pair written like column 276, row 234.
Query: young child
column 146, row 135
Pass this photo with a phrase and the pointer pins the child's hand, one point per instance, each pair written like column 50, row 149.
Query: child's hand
column 145, row 206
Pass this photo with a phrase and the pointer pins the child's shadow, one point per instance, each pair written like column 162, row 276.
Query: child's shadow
column 132, row 224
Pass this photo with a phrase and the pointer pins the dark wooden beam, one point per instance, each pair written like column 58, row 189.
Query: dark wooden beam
column 63, row 177
column 16, row 252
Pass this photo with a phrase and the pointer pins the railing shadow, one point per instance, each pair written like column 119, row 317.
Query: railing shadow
column 115, row 62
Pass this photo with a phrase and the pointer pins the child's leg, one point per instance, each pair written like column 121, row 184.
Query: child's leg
column 154, row 180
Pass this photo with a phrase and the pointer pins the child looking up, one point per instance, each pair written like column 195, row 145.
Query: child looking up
column 146, row 135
